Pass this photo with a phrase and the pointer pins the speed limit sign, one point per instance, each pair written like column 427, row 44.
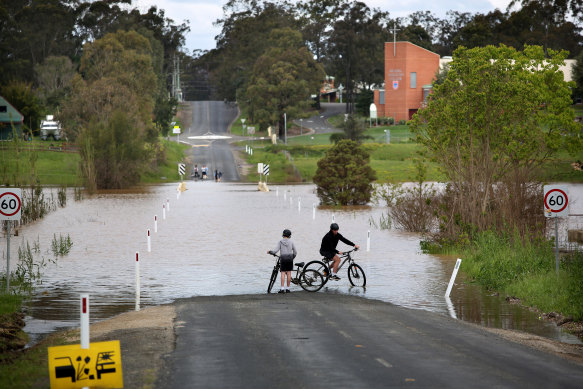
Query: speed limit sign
column 556, row 201
column 10, row 203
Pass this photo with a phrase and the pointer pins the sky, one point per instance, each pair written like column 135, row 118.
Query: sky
column 202, row 13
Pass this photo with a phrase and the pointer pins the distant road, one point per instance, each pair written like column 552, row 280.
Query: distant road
column 319, row 123
column 212, row 117
column 321, row 340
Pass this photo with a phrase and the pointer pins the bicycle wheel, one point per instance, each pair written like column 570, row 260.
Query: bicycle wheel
column 356, row 275
column 273, row 278
column 311, row 280
column 320, row 267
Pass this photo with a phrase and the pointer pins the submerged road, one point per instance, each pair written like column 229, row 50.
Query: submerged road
column 318, row 340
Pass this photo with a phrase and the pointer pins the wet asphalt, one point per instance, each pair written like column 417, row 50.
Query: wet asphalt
column 322, row 340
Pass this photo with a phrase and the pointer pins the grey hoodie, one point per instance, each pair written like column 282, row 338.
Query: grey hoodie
column 287, row 247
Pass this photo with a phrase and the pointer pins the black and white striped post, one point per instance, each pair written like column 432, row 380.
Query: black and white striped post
column 265, row 171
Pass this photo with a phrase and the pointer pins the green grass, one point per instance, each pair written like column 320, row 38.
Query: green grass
column 167, row 172
column 28, row 369
column 24, row 166
column 9, row 303
column 526, row 269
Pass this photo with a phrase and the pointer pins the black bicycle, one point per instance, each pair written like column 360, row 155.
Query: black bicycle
column 310, row 281
column 356, row 275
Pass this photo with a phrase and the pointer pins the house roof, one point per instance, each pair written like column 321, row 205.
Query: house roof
column 9, row 114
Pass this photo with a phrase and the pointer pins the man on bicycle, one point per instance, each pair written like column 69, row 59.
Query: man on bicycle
column 328, row 248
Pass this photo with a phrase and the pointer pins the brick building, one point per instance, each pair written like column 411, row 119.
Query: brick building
column 409, row 71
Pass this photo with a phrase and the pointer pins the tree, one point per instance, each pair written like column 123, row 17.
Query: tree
column 116, row 151
column 356, row 44
column 497, row 117
column 243, row 39
column 344, row 176
column 54, row 78
column 282, row 80
column 352, row 130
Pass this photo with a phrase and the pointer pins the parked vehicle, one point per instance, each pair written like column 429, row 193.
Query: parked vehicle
column 50, row 127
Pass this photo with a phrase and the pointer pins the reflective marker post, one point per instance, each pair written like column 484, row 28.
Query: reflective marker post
column 453, row 275
column 149, row 242
column 137, row 282
column 368, row 240
column 84, row 308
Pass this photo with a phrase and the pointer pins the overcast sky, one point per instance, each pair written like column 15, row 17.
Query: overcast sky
column 202, row 13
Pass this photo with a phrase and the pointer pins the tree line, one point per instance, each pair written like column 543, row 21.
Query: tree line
column 346, row 38
column 103, row 68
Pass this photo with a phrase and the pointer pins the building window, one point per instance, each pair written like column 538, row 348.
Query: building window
column 3, row 108
column 413, row 80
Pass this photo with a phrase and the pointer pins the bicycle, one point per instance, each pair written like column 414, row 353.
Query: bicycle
column 356, row 275
column 310, row 281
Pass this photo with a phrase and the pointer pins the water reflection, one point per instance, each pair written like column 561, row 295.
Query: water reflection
column 213, row 242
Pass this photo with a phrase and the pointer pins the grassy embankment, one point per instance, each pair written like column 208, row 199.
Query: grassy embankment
column 526, row 269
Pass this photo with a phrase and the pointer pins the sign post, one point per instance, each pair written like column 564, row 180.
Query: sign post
column 556, row 202
column 373, row 114
column 10, row 209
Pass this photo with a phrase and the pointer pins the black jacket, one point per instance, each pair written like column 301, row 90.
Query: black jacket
column 330, row 241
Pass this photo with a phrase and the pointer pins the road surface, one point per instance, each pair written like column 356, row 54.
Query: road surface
column 319, row 340
column 211, row 119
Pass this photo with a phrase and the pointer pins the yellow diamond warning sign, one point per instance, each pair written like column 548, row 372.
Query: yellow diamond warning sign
column 98, row 366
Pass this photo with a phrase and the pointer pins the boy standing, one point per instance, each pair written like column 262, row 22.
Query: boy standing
column 287, row 254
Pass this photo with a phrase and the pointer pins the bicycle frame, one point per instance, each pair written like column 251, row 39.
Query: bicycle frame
column 311, row 281
column 356, row 275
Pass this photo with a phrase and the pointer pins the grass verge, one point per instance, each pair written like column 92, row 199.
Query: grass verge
column 526, row 269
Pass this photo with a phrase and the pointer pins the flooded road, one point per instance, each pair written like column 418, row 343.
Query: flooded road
column 213, row 241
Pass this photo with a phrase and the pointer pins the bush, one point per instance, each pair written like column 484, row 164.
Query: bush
column 344, row 176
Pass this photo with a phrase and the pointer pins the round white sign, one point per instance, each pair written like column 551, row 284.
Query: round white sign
column 10, row 204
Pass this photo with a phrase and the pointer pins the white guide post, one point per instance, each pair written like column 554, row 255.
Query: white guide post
column 84, row 308
column 452, row 279
column 137, row 282
column 149, row 242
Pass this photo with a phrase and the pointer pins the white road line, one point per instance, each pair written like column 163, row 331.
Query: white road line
column 318, row 313
column 384, row 363
column 345, row 334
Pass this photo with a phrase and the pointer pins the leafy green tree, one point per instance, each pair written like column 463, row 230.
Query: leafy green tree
column 118, row 74
column 243, row 39
column 282, row 80
column 498, row 116
column 54, row 78
column 356, row 44
column 352, row 129
column 344, row 176
column 117, row 151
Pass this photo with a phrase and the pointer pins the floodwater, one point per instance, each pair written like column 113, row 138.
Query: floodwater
column 213, row 241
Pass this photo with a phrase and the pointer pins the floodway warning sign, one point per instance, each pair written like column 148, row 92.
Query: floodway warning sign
column 98, row 366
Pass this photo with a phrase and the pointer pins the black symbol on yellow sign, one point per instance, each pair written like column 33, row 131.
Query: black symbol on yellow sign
column 73, row 367
column 104, row 365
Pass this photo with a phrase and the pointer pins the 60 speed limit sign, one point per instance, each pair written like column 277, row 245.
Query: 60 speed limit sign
column 556, row 201
column 10, row 203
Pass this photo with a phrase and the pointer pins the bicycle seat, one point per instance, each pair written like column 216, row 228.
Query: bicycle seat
column 300, row 264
